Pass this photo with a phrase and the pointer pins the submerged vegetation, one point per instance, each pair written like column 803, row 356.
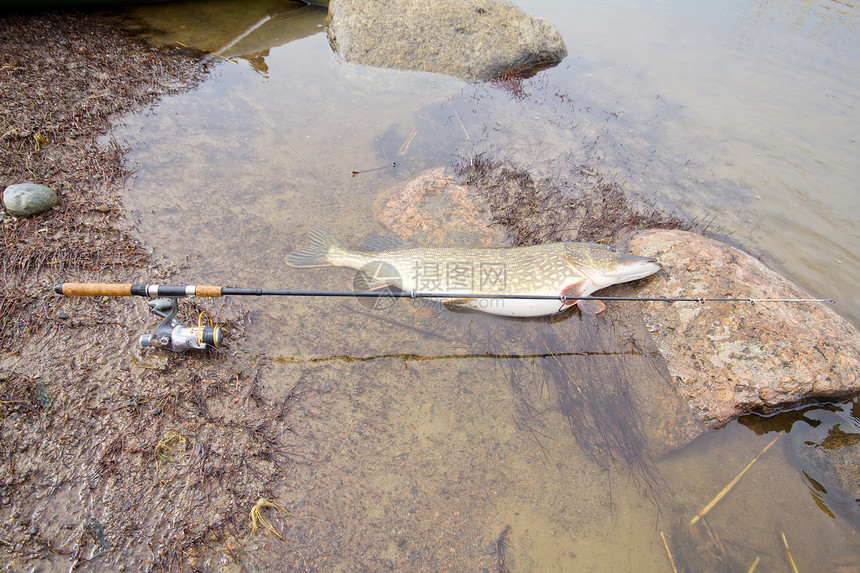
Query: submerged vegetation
column 586, row 373
column 583, row 204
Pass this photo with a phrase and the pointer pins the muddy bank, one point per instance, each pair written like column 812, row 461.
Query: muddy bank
column 108, row 455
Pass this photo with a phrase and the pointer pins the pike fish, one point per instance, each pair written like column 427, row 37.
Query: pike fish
column 557, row 269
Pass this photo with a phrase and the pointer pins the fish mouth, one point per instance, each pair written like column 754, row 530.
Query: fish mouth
column 633, row 267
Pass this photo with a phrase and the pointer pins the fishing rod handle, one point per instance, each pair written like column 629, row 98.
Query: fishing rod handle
column 125, row 289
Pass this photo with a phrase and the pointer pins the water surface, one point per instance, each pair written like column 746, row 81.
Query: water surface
column 741, row 113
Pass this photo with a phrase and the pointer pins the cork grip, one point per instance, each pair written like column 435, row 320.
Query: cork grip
column 205, row 290
column 93, row 289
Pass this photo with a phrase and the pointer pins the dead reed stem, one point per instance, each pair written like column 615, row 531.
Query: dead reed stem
column 668, row 552
column 788, row 552
column 731, row 484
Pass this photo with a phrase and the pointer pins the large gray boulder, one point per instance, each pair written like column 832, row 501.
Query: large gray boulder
column 472, row 39
column 27, row 199
column 727, row 359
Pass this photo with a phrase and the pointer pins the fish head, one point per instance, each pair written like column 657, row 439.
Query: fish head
column 605, row 265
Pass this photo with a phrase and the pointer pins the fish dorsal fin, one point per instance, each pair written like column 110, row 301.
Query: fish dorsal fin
column 377, row 243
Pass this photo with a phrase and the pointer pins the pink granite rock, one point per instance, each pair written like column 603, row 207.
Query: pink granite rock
column 727, row 359
column 434, row 210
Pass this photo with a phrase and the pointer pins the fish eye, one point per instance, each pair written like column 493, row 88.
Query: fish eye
column 612, row 249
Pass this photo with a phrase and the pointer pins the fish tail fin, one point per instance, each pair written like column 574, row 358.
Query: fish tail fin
column 320, row 242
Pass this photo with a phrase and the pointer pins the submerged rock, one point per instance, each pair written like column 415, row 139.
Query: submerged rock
column 27, row 199
column 727, row 359
column 433, row 209
column 472, row 39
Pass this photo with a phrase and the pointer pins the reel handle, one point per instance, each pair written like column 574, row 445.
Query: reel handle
column 121, row 289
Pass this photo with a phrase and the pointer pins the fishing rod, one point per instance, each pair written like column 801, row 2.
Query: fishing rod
column 172, row 335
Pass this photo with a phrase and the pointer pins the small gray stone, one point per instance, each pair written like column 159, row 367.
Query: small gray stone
column 27, row 199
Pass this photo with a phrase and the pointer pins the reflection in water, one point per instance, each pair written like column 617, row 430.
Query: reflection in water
column 232, row 28
column 824, row 447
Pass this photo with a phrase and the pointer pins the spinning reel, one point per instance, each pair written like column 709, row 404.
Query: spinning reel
column 172, row 335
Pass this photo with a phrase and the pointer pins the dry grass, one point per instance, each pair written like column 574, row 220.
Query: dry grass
column 258, row 519
column 63, row 77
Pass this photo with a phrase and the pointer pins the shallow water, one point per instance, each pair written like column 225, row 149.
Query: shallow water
column 742, row 113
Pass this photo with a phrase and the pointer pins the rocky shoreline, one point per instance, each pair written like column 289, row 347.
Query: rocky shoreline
column 96, row 438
